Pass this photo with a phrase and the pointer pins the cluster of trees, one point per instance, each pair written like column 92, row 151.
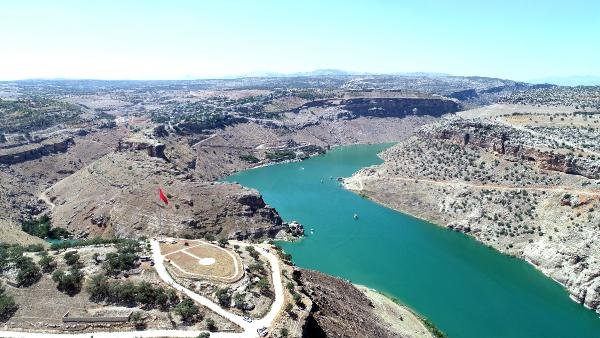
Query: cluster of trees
column 127, row 293
column 124, row 259
column 11, row 256
column 281, row 155
column 42, row 228
column 252, row 252
column 87, row 242
column 249, row 158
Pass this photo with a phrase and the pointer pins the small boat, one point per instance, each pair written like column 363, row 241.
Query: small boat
column 312, row 231
column 355, row 216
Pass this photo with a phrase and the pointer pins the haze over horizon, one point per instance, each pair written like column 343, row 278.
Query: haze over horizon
column 154, row 40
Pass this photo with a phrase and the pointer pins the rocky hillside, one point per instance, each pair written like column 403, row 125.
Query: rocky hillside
column 34, row 167
column 339, row 309
column 524, row 182
column 117, row 195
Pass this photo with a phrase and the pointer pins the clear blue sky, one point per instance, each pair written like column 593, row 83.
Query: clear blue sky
column 517, row 39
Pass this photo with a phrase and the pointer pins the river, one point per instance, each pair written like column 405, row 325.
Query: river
column 465, row 288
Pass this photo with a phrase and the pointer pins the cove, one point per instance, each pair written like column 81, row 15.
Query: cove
column 465, row 288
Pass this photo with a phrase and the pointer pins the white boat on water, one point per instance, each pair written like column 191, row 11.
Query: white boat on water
column 355, row 216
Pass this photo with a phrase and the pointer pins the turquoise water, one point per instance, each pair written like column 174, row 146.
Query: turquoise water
column 463, row 287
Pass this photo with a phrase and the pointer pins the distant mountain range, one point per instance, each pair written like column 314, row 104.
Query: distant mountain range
column 333, row 72
column 577, row 80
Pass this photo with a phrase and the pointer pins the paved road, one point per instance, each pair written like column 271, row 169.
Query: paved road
column 249, row 328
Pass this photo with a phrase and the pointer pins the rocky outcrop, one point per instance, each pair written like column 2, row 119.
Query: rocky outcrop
column 513, row 143
column 35, row 151
column 339, row 309
column 152, row 147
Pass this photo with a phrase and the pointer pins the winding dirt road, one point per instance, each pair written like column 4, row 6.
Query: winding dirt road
column 250, row 329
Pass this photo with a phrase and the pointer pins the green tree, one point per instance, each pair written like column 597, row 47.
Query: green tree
column 120, row 261
column 224, row 297
column 238, row 300
column 72, row 258
column 252, row 252
column 29, row 273
column 187, row 310
column 211, row 325
column 68, row 282
column 264, row 286
column 47, row 263
column 138, row 320
column 98, row 287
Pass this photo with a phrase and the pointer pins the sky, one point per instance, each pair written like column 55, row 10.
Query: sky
column 514, row 39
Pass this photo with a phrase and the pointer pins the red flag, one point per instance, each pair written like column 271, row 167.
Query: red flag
column 162, row 196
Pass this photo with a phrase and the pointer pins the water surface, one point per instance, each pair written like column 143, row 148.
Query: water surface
column 463, row 287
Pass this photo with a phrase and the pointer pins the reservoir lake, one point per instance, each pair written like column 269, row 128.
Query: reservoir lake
column 465, row 288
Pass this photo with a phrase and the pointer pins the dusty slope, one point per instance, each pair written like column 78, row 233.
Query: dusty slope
column 117, row 195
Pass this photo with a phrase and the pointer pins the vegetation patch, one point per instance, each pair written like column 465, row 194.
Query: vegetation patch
column 281, row 155
column 42, row 228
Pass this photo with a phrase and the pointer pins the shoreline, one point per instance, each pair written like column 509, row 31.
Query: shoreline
column 563, row 286
column 420, row 325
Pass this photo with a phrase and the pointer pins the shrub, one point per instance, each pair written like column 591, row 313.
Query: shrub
column 210, row 324
column 137, row 318
column 252, row 252
column 223, row 242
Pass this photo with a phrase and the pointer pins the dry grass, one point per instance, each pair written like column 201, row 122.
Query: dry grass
column 167, row 248
column 227, row 266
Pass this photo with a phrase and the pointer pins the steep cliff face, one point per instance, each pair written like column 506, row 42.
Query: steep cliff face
column 515, row 144
column 339, row 309
column 35, row 151
column 387, row 106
